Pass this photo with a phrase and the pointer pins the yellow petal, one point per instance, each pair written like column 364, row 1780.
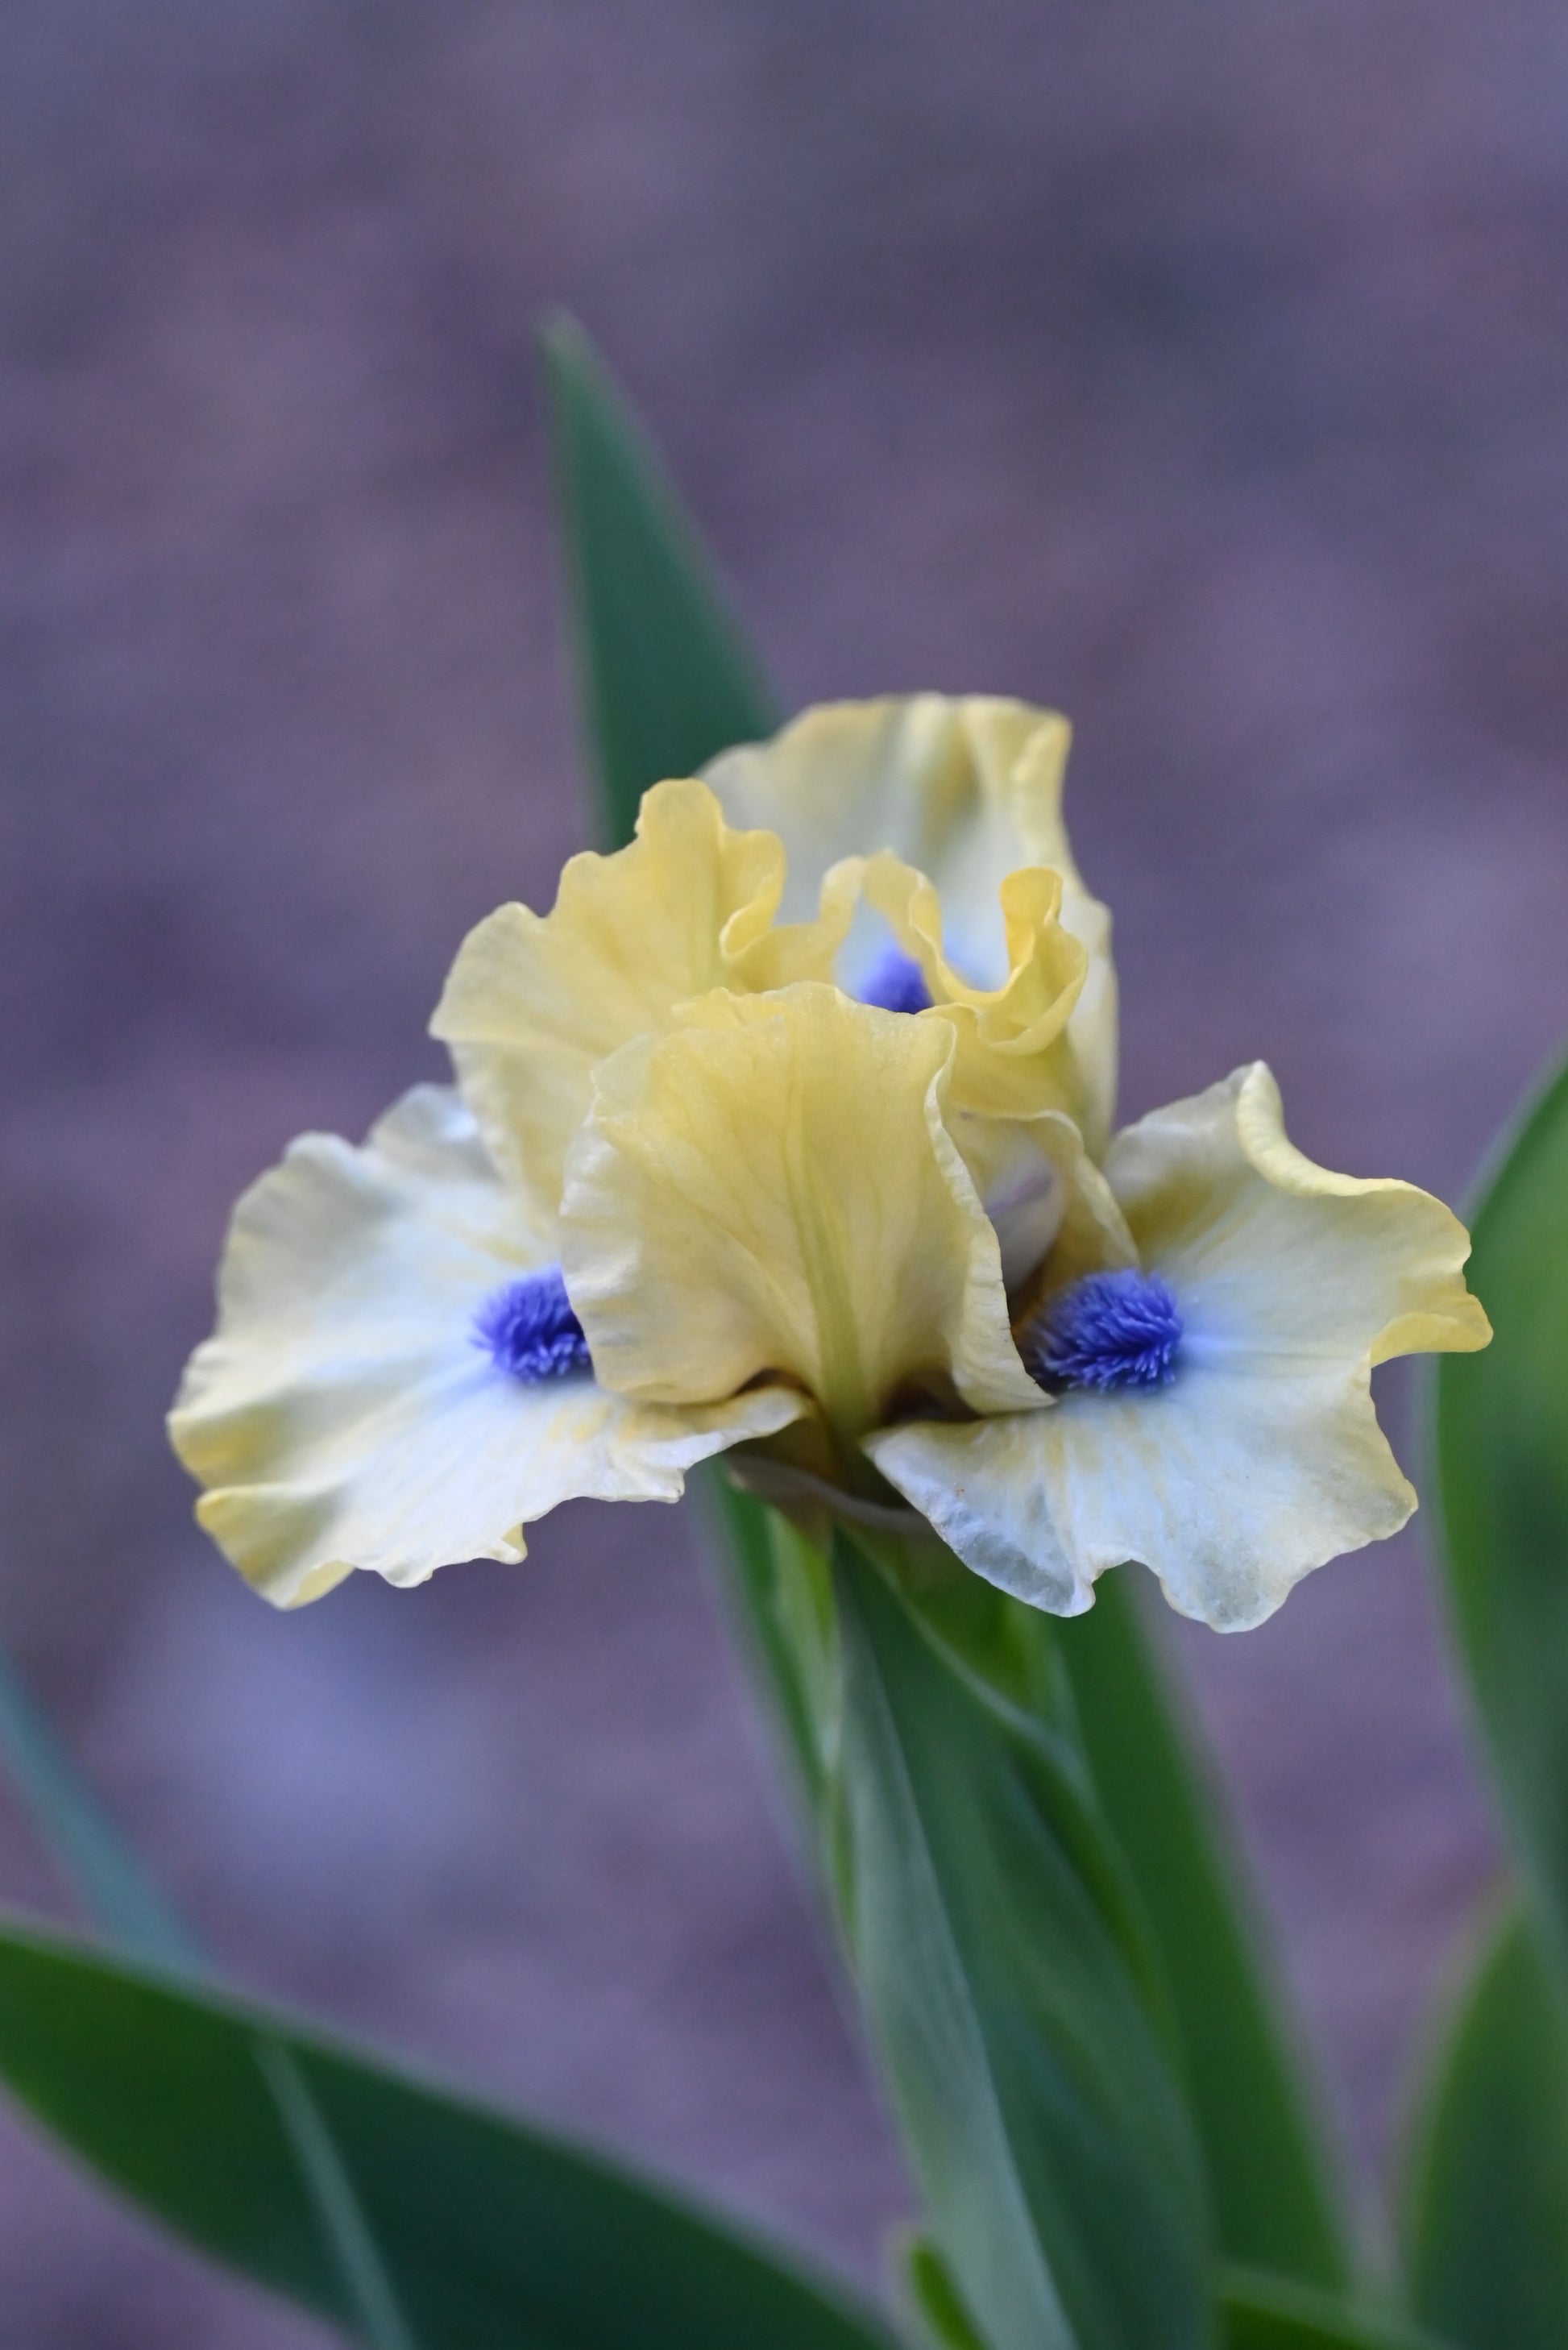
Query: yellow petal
column 342, row 1416
column 967, row 791
column 1262, row 1457
column 1006, row 1034
column 771, row 1191
column 534, row 1001
column 1014, row 1059
column 1018, row 1098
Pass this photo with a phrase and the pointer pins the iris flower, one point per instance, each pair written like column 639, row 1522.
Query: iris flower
column 789, row 1130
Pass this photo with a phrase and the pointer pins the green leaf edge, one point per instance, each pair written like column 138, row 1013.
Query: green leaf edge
column 303, row 2036
column 1256, row 2306
column 1543, row 1104
column 1112, row 1653
column 600, row 448
column 101, row 1868
column 861, row 1572
column 1508, row 1929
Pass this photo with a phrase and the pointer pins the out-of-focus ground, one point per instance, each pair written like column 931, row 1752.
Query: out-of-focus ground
column 1198, row 367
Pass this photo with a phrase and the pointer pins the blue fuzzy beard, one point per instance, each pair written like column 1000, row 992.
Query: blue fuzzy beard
column 896, row 984
column 528, row 1328
column 1109, row 1331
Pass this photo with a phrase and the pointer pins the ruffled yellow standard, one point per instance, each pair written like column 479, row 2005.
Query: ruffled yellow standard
column 535, row 1003
column 771, row 1191
column 963, row 793
column 797, row 1136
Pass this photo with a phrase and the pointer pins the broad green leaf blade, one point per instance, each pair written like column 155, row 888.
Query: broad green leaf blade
column 1004, row 1989
column 1277, row 2204
column 1488, row 2206
column 1503, row 1459
column 667, row 678
column 101, row 1868
column 501, row 2237
column 1262, row 2313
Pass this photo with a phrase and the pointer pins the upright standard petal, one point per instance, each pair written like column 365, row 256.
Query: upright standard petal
column 343, row 1416
column 771, row 1191
column 534, row 1002
column 1260, row 1456
column 967, row 790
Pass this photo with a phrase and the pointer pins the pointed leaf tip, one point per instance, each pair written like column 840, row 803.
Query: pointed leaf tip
column 666, row 676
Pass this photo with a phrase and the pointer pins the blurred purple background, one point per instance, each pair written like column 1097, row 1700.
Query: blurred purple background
column 1202, row 368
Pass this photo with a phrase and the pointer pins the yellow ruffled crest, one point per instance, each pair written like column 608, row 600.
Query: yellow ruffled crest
column 771, row 1191
column 1013, row 1054
column 534, row 1002
column 967, row 792
column 1013, row 1059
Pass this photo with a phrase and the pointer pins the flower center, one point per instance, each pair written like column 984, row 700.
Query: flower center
column 896, row 984
column 529, row 1329
column 1109, row 1330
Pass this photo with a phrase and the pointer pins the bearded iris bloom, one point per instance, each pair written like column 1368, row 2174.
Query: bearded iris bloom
column 789, row 1130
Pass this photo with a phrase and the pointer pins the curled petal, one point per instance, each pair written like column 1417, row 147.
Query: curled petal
column 1028, row 1011
column 343, row 1416
column 534, row 1002
column 771, row 1191
column 965, row 790
column 1262, row 1457
column 1012, row 1054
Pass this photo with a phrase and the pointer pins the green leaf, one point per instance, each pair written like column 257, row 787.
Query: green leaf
column 1008, row 1999
column 1277, row 2204
column 1263, row 2312
column 935, row 2298
column 109, row 1880
column 1488, row 2206
column 776, row 1589
column 497, row 2234
column 667, row 678
column 1503, row 1459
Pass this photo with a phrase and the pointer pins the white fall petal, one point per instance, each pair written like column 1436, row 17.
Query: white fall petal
column 343, row 1417
column 1261, row 1457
